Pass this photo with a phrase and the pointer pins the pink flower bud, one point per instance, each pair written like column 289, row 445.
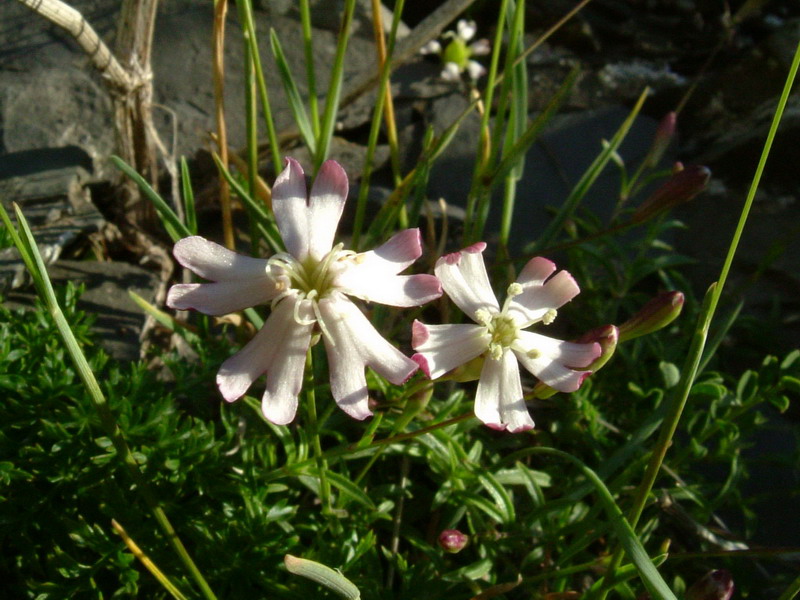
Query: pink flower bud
column 453, row 541
column 681, row 187
column 714, row 585
column 607, row 336
column 656, row 314
column 662, row 138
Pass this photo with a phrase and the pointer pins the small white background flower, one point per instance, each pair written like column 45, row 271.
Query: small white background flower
column 308, row 287
column 457, row 53
column 499, row 335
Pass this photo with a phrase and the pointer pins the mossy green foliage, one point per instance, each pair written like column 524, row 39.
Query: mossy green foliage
column 242, row 493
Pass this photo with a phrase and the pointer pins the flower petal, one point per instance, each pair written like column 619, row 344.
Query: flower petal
column 216, row 263
column 466, row 29
column 372, row 275
column 285, row 376
column 451, row 72
column 536, row 299
column 554, row 361
column 394, row 290
column 278, row 340
column 475, row 69
column 499, row 401
column 328, row 195
column 536, row 271
column 464, row 279
column 351, row 344
column 432, row 47
column 395, row 255
column 290, row 205
column 442, row 348
column 223, row 297
column 480, row 47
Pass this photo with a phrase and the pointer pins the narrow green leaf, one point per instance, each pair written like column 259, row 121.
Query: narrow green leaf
column 588, row 178
column 651, row 578
column 500, row 495
column 264, row 223
column 175, row 228
column 188, row 198
column 293, row 94
column 324, row 575
column 334, row 88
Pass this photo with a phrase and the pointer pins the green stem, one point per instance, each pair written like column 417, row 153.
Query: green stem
column 791, row 591
column 654, row 583
column 374, row 132
column 319, row 457
column 249, row 27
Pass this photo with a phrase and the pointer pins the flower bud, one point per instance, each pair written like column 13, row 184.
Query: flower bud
column 658, row 313
column 681, row 187
column 469, row 371
column 607, row 336
column 453, row 541
column 714, row 585
column 662, row 138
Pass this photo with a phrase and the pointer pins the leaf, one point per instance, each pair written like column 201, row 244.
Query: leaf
column 292, row 94
column 175, row 228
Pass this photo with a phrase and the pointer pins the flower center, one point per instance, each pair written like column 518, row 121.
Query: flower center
column 502, row 331
column 457, row 52
column 308, row 280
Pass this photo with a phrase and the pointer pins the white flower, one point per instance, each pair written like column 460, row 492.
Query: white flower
column 458, row 52
column 499, row 335
column 308, row 287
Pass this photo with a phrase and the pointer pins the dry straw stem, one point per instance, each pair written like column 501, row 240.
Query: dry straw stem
column 72, row 21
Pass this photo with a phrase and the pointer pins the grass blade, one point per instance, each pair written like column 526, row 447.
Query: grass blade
column 174, row 226
column 293, row 94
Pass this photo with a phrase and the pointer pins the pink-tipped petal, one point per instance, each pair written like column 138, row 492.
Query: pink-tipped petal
column 290, row 205
column 536, row 271
column 285, row 376
column 568, row 353
column 216, row 263
column 392, row 290
column 423, row 364
column 554, row 361
column 223, row 297
column 535, row 300
column 499, row 401
column 280, row 331
column 446, row 347
column 326, row 202
column 419, row 333
column 372, row 276
column 352, row 344
column 464, row 279
column 402, row 249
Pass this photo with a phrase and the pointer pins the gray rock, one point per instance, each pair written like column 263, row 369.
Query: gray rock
column 119, row 320
column 55, row 203
column 45, row 70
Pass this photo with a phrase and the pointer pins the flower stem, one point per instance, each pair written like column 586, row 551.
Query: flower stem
column 322, row 464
